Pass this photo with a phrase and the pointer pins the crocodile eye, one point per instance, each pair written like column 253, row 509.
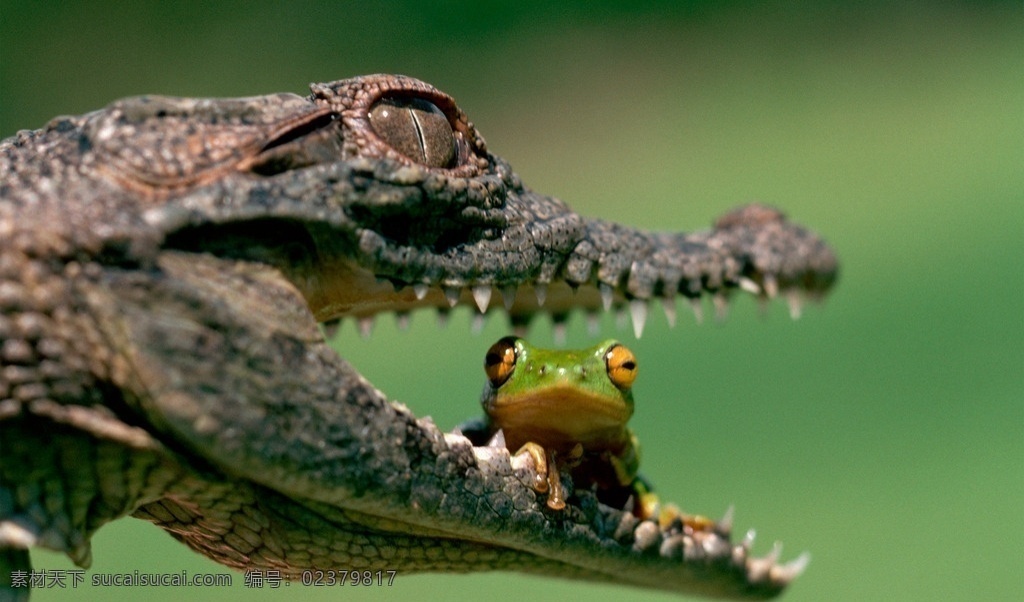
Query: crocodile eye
column 416, row 128
column 500, row 361
column 621, row 364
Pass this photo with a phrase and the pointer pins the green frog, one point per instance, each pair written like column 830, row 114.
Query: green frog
column 568, row 408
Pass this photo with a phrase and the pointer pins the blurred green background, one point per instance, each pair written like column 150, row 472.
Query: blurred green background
column 883, row 432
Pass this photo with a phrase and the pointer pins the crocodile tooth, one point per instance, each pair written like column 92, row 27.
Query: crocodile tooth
column 638, row 309
column 724, row 525
column 715, row 546
column 739, row 555
column 420, row 290
column 627, row 523
column 760, row 569
column 796, row 304
column 621, row 319
column 541, row 290
column 672, row 547
column 442, row 316
column 593, row 323
column 607, row 293
column 331, row 328
column 452, row 294
column 791, row 570
column 771, row 286
column 482, row 296
column 630, row 504
column 669, row 305
column 748, row 539
column 750, row 286
column 365, row 326
column 17, row 536
column 646, row 536
column 558, row 332
column 698, row 309
column 693, row 550
column 402, row 319
column 721, row 306
column 508, row 296
column 478, row 323
column 497, row 440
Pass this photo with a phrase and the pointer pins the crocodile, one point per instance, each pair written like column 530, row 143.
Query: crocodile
column 170, row 271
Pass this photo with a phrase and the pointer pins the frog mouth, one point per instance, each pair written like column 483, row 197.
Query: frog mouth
column 567, row 412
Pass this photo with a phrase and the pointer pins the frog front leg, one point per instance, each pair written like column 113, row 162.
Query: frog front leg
column 546, row 463
column 540, row 466
column 548, row 478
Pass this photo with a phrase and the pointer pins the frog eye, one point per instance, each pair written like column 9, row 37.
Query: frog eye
column 416, row 128
column 500, row 361
column 621, row 364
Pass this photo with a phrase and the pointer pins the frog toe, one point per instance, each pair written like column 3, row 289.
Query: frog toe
column 541, row 482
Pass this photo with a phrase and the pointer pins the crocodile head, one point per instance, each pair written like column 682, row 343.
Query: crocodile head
column 372, row 195
column 377, row 194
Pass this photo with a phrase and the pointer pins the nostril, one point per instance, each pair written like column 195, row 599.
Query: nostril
column 304, row 129
column 310, row 143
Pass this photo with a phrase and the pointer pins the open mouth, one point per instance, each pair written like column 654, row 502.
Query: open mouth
column 644, row 281
column 703, row 545
column 383, row 199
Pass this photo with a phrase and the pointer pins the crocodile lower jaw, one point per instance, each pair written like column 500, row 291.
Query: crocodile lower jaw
column 709, row 546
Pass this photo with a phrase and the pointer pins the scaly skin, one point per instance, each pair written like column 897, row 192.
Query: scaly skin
column 164, row 265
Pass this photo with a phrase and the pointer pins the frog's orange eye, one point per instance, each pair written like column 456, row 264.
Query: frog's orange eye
column 621, row 365
column 500, row 361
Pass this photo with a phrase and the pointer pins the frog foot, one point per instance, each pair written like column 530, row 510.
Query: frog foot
column 535, row 453
column 547, row 477
column 556, row 495
column 543, row 470
column 645, row 504
column 670, row 513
